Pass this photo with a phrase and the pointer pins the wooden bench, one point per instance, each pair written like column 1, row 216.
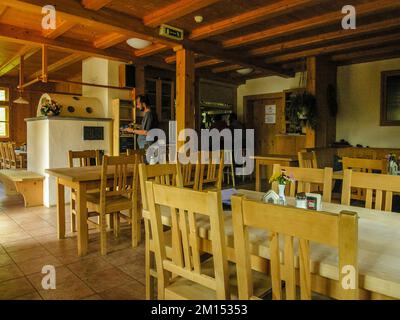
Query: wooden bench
column 28, row 184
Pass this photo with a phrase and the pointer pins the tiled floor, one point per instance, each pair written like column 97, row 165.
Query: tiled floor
column 28, row 241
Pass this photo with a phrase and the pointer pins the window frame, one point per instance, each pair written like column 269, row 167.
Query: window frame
column 384, row 121
column 6, row 105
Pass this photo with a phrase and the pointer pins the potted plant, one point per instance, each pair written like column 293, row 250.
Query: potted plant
column 50, row 108
column 302, row 110
column 283, row 179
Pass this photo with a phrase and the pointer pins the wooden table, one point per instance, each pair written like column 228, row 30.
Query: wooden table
column 378, row 245
column 269, row 160
column 81, row 179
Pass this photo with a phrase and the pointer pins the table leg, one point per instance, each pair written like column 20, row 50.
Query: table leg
column 81, row 217
column 60, row 210
column 258, row 173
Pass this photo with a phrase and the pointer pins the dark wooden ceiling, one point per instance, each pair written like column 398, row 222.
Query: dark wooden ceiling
column 272, row 37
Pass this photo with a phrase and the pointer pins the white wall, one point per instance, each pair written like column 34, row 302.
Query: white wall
column 263, row 86
column 359, row 105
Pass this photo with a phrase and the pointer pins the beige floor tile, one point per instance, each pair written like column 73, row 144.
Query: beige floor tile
column 121, row 257
column 15, row 288
column 93, row 297
column 131, row 290
column 28, row 254
column 28, row 226
column 15, row 236
column 5, row 259
column 86, row 267
column 106, row 279
column 30, row 296
column 43, row 231
column 36, row 265
column 10, row 271
column 73, row 289
column 135, row 270
column 14, row 246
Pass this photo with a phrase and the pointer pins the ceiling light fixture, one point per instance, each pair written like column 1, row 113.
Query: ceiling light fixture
column 138, row 43
column 198, row 19
column 21, row 100
column 245, row 71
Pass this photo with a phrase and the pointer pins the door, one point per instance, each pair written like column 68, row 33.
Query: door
column 265, row 133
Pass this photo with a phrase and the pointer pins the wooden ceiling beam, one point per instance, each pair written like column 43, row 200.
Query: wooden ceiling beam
column 369, row 42
column 151, row 50
column 3, row 9
column 250, row 17
column 62, row 27
column 227, row 68
column 207, row 63
column 26, row 51
column 175, row 11
column 324, row 37
column 109, row 40
column 365, row 54
column 133, row 27
column 365, row 9
column 95, row 4
column 60, row 64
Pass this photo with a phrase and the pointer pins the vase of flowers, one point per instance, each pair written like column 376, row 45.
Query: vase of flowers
column 50, row 108
column 283, row 179
column 393, row 164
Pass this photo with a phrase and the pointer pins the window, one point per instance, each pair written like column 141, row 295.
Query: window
column 390, row 98
column 4, row 113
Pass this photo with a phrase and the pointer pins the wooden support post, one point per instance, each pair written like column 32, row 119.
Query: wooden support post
column 320, row 74
column 185, row 95
column 21, row 72
column 44, row 64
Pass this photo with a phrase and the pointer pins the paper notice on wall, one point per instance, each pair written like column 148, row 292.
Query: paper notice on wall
column 270, row 109
column 270, row 118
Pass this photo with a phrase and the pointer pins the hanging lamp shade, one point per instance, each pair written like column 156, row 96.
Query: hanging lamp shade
column 21, row 100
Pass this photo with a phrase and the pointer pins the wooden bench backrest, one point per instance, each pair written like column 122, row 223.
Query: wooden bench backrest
column 378, row 188
column 184, row 205
column 287, row 224
column 305, row 178
column 364, row 165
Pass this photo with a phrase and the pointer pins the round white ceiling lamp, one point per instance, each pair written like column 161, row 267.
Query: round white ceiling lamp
column 138, row 43
column 198, row 19
column 245, row 71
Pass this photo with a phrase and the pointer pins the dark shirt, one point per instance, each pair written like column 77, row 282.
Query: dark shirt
column 149, row 121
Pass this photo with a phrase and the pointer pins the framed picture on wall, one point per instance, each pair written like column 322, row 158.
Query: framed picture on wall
column 390, row 98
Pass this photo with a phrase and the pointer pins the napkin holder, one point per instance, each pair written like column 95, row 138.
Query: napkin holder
column 314, row 201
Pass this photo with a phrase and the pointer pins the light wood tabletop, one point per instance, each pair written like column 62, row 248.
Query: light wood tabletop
column 378, row 243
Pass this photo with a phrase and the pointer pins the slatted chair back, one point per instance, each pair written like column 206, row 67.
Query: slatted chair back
column 363, row 165
column 84, row 158
column 290, row 231
column 166, row 174
column 378, row 188
column 184, row 205
column 355, row 152
column 211, row 169
column 307, row 159
column 190, row 170
column 7, row 155
column 12, row 157
column 304, row 178
column 2, row 155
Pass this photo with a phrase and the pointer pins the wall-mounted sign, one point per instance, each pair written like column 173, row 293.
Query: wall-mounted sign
column 270, row 118
column 270, row 114
column 270, row 109
column 171, row 32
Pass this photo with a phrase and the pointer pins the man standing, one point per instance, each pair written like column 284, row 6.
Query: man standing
column 149, row 122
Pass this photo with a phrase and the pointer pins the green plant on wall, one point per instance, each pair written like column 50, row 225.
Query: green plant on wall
column 302, row 108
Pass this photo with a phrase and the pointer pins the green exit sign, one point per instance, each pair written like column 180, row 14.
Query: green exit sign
column 171, row 32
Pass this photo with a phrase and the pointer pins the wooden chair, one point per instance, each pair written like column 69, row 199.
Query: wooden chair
column 115, row 194
column 284, row 224
column 192, row 278
column 14, row 161
column 378, row 188
column 81, row 159
column 190, row 172
column 211, row 171
column 308, row 159
column 167, row 174
column 363, row 165
column 7, row 159
column 2, row 156
column 305, row 178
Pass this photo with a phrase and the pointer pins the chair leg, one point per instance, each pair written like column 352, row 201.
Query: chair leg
column 135, row 228
column 116, row 223
column 73, row 216
column 148, row 265
column 103, row 234
column 233, row 175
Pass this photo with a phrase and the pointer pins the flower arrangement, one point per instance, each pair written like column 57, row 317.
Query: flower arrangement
column 282, row 178
column 51, row 108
